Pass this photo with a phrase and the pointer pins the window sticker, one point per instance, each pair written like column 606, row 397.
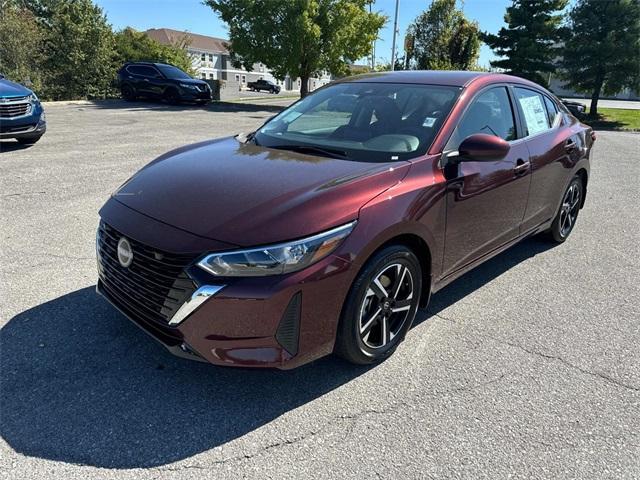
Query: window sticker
column 429, row 122
column 534, row 114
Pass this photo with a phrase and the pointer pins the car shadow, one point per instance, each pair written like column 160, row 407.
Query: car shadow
column 12, row 145
column 247, row 106
column 81, row 384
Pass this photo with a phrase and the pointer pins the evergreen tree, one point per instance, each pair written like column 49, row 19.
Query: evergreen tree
column 530, row 41
column 602, row 53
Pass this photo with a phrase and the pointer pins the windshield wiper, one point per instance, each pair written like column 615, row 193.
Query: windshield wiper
column 326, row 152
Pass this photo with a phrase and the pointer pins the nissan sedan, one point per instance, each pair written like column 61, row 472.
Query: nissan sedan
column 327, row 228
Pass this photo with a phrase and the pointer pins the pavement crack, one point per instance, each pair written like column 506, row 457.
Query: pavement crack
column 565, row 362
column 547, row 356
column 21, row 194
column 246, row 456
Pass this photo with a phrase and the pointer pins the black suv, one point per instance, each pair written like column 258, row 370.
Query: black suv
column 159, row 80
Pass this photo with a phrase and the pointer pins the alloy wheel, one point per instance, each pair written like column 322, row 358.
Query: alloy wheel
column 386, row 306
column 569, row 209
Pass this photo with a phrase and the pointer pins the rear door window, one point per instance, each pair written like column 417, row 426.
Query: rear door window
column 135, row 70
column 143, row 71
column 534, row 111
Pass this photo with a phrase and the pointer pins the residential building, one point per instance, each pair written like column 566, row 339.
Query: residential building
column 211, row 61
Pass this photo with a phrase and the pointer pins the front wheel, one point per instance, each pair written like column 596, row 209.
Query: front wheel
column 380, row 307
column 172, row 97
column 566, row 217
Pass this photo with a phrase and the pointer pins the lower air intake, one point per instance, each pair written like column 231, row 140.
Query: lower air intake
column 289, row 328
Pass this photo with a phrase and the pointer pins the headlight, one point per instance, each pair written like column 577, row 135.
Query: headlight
column 33, row 98
column 189, row 86
column 275, row 259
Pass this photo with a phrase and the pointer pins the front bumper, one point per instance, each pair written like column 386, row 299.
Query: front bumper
column 278, row 321
column 195, row 95
column 31, row 125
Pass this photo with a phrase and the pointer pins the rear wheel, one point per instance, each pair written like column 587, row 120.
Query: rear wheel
column 566, row 218
column 128, row 93
column 381, row 306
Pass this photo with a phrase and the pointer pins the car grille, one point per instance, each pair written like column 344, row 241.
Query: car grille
column 15, row 108
column 152, row 288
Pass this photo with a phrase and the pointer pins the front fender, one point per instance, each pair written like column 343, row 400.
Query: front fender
column 415, row 207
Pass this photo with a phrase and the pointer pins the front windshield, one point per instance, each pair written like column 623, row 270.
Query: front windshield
column 363, row 121
column 174, row 73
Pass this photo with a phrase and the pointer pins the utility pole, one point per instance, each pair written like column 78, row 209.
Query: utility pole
column 373, row 44
column 393, row 44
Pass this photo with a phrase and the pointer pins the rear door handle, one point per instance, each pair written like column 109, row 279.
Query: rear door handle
column 521, row 168
column 570, row 146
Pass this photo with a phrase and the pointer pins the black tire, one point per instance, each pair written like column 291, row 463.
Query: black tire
column 567, row 215
column 29, row 140
column 171, row 96
column 362, row 337
column 128, row 93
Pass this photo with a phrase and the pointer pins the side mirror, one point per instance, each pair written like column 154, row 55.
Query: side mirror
column 481, row 147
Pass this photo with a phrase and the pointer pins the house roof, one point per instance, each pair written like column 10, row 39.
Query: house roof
column 168, row 36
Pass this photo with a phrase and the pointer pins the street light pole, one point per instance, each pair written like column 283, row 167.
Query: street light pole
column 393, row 44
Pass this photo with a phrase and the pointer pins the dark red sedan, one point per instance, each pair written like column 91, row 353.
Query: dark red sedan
column 327, row 228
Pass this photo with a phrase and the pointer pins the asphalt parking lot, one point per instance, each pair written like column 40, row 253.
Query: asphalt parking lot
column 528, row 367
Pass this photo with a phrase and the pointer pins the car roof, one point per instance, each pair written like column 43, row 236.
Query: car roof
column 454, row 78
column 155, row 64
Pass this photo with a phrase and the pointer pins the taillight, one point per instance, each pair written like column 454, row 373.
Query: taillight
column 593, row 136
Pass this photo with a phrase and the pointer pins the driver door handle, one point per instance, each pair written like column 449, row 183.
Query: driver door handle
column 521, row 167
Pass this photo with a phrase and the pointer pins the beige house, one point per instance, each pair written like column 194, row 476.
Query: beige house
column 210, row 56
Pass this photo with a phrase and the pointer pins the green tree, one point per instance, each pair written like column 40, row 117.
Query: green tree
column 78, row 51
column 529, row 43
column 132, row 46
column 602, row 52
column 443, row 39
column 20, row 41
column 299, row 38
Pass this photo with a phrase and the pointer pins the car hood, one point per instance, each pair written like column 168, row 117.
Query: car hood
column 10, row 89
column 192, row 81
column 249, row 195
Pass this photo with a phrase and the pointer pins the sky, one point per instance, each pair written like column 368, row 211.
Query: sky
column 192, row 16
